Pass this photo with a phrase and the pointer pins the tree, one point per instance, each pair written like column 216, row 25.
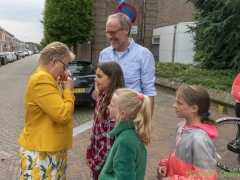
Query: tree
column 42, row 44
column 68, row 21
column 217, row 33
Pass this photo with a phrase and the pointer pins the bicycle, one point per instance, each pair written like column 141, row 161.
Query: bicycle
column 228, row 144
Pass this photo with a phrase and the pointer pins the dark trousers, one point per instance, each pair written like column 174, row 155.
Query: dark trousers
column 237, row 111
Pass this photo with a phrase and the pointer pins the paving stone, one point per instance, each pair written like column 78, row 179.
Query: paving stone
column 12, row 121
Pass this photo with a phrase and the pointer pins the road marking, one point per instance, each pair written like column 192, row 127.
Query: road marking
column 83, row 127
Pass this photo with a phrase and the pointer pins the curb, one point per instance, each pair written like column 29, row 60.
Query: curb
column 222, row 98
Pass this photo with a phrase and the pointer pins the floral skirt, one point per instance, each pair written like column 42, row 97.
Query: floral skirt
column 38, row 165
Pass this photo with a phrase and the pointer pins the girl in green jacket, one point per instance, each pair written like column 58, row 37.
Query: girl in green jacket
column 128, row 157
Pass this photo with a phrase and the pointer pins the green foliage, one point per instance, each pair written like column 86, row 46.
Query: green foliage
column 68, row 21
column 42, row 44
column 211, row 79
column 217, row 33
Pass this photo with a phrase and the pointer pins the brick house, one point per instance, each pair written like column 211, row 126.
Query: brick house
column 17, row 44
column 150, row 14
column 6, row 41
column 31, row 46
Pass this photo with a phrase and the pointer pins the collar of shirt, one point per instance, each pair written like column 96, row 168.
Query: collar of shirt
column 130, row 47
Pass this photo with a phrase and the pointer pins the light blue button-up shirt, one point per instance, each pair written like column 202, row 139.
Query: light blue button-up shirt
column 138, row 67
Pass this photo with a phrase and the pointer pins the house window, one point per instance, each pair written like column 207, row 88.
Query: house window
column 155, row 48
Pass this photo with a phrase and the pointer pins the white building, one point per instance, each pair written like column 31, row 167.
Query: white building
column 173, row 43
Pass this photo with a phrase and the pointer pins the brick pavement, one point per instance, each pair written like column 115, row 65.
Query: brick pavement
column 164, row 121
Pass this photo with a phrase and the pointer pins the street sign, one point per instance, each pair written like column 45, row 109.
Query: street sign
column 133, row 30
column 129, row 10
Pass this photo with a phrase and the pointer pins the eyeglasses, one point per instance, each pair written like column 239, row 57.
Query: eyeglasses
column 65, row 66
column 113, row 33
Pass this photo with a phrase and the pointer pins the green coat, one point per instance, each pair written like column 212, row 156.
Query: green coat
column 127, row 158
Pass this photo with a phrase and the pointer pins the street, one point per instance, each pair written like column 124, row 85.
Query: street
column 14, row 78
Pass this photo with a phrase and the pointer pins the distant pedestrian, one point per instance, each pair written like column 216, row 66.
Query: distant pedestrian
column 236, row 94
column 193, row 155
column 128, row 157
column 234, row 144
column 47, row 134
column 109, row 77
column 136, row 61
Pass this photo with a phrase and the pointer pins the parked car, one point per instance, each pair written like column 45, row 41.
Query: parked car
column 35, row 52
column 21, row 54
column 26, row 53
column 17, row 55
column 83, row 76
column 3, row 59
column 13, row 56
column 30, row 53
column 9, row 56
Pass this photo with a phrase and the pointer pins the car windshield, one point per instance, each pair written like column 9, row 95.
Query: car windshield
column 80, row 68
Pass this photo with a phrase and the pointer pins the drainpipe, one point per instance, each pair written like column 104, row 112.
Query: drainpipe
column 144, row 10
column 174, row 39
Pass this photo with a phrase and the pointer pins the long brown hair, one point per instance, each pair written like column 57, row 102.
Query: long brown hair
column 114, row 72
column 197, row 95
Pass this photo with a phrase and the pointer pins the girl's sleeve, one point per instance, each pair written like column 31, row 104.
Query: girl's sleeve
column 100, row 158
column 163, row 162
column 236, row 88
column 89, row 148
column 204, row 163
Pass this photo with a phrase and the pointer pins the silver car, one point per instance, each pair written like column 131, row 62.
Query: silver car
column 9, row 56
column 13, row 56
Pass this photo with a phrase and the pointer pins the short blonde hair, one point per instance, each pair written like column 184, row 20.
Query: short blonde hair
column 55, row 50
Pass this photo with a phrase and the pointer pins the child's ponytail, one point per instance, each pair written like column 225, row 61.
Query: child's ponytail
column 138, row 108
column 142, row 122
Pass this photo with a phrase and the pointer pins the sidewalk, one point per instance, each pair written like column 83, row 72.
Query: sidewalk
column 164, row 123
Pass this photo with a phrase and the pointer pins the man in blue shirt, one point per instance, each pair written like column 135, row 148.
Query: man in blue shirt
column 137, row 62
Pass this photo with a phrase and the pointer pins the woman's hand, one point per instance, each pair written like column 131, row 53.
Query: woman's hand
column 89, row 162
column 64, row 76
column 68, row 84
column 162, row 172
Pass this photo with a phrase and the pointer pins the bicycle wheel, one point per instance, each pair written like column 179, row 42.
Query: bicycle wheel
column 227, row 130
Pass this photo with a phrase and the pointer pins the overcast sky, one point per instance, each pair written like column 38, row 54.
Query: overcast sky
column 21, row 18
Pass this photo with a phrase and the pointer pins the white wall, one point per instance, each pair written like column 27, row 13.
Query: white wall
column 184, row 44
column 166, row 39
column 183, row 52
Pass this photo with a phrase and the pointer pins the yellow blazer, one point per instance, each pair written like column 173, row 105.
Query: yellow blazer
column 48, row 114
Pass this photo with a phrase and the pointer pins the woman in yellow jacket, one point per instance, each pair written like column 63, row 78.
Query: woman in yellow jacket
column 48, row 116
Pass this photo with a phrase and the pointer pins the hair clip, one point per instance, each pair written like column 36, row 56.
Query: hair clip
column 141, row 97
column 207, row 114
